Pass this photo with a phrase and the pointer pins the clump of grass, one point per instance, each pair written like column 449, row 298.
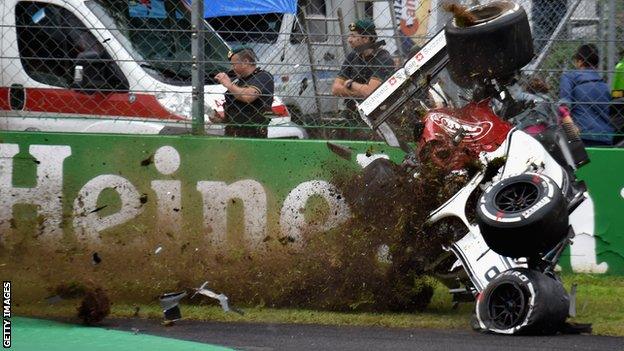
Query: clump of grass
column 463, row 17
column 95, row 306
column 70, row 290
column 600, row 300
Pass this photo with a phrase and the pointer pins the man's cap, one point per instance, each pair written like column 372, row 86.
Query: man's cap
column 239, row 48
column 364, row 26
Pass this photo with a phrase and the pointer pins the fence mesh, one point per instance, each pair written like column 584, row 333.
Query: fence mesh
column 127, row 65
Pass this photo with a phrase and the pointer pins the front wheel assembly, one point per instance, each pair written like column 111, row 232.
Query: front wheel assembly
column 523, row 216
column 494, row 47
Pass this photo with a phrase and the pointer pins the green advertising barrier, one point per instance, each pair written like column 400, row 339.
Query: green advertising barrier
column 66, row 196
column 162, row 212
column 606, row 220
column 86, row 185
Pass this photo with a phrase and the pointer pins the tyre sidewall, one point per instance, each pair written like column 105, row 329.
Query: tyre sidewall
column 496, row 24
column 493, row 49
column 534, row 230
column 548, row 196
column 547, row 302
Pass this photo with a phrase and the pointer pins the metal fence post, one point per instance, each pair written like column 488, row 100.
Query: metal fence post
column 310, row 50
column 197, row 52
column 397, row 32
column 343, row 35
column 601, row 28
column 611, row 54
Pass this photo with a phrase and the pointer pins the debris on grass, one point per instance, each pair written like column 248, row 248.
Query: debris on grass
column 340, row 150
column 69, row 290
column 223, row 300
column 96, row 259
column 170, row 305
column 54, row 299
column 95, row 306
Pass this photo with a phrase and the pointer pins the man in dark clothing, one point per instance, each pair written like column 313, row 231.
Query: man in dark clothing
column 248, row 97
column 364, row 69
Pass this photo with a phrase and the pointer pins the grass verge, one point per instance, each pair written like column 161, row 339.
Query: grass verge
column 600, row 300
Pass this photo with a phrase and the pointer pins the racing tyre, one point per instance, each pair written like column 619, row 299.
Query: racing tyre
column 496, row 46
column 523, row 301
column 523, row 215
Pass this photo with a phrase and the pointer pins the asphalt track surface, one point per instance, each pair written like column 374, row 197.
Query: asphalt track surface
column 267, row 337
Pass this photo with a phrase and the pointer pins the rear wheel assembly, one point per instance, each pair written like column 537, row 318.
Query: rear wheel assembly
column 495, row 46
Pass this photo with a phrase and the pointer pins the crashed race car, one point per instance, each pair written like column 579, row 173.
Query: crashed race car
column 516, row 205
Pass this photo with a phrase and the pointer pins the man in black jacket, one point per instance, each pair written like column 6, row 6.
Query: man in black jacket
column 365, row 68
column 248, row 97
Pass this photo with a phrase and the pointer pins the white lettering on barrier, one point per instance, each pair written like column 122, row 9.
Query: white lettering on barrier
column 167, row 160
column 217, row 195
column 365, row 159
column 87, row 221
column 168, row 192
column 292, row 219
column 583, row 249
column 47, row 194
column 169, row 204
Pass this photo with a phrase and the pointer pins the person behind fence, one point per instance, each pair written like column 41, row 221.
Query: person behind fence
column 365, row 68
column 249, row 96
column 586, row 95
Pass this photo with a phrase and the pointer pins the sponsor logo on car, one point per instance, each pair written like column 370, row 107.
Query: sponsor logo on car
column 473, row 131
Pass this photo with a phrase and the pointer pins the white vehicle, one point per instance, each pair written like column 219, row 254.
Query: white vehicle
column 108, row 66
column 292, row 47
column 279, row 40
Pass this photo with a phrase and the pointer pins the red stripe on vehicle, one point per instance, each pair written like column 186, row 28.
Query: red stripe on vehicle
column 4, row 99
column 64, row 101
column 280, row 110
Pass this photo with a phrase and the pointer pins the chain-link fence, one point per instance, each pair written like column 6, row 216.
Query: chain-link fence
column 132, row 66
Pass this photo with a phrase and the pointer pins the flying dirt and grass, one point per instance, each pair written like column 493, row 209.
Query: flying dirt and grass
column 477, row 188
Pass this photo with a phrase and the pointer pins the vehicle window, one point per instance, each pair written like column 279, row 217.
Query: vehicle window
column 252, row 28
column 315, row 14
column 52, row 40
column 157, row 34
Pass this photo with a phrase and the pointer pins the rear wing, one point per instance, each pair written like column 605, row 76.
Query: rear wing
column 411, row 79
